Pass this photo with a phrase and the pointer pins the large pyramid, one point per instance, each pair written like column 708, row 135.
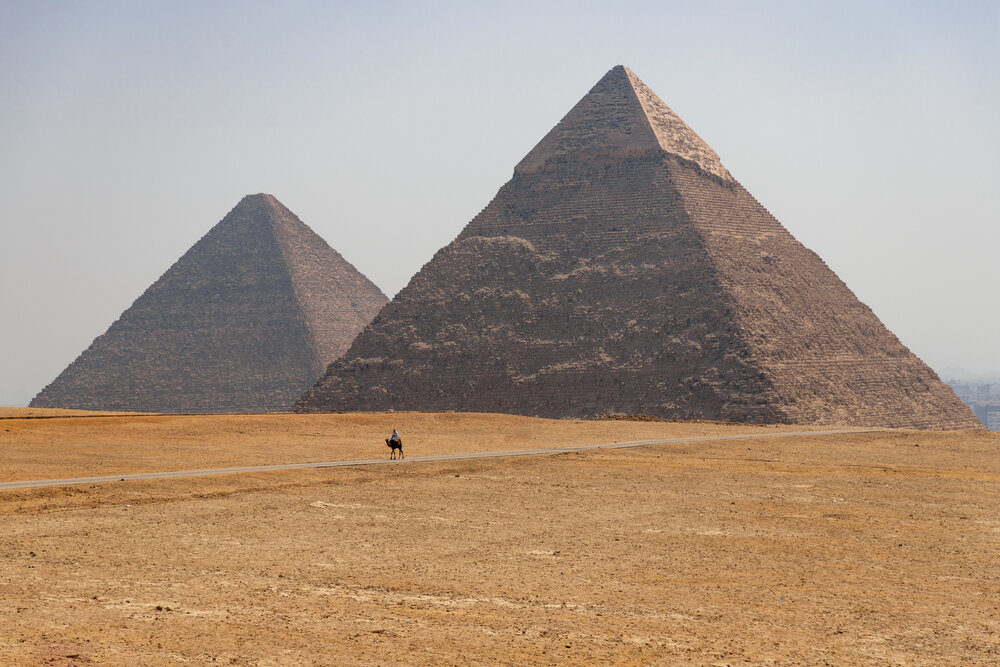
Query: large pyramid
column 245, row 321
column 624, row 270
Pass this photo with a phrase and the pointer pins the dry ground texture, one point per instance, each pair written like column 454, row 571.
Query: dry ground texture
column 841, row 549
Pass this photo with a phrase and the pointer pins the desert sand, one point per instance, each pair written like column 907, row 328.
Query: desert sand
column 876, row 548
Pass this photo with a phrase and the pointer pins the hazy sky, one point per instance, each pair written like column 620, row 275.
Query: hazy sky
column 128, row 129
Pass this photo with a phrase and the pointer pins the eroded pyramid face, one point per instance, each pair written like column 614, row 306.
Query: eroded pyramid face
column 624, row 270
column 243, row 322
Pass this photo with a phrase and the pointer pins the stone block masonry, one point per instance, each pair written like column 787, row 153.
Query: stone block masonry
column 624, row 270
column 245, row 321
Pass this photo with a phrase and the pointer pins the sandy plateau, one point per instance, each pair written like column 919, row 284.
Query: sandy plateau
column 875, row 548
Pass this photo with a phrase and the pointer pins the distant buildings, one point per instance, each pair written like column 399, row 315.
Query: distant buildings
column 983, row 398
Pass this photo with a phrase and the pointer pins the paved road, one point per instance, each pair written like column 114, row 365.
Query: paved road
column 416, row 459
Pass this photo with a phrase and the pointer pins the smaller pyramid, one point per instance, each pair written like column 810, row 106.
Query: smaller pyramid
column 244, row 321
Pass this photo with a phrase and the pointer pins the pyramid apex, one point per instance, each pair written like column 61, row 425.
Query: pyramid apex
column 261, row 202
column 621, row 116
column 258, row 198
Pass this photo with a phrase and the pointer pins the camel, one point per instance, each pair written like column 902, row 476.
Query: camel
column 393, row 446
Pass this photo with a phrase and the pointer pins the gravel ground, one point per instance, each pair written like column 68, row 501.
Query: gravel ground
column 848, row 549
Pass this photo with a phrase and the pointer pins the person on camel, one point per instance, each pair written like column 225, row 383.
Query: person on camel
column 394, row 443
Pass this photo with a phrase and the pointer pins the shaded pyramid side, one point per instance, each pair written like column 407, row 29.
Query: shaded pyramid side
column 225, row 329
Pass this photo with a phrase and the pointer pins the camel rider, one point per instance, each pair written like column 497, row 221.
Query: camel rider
column 395, row 436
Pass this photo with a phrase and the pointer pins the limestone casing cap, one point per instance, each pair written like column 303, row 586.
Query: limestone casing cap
column 621, row 116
